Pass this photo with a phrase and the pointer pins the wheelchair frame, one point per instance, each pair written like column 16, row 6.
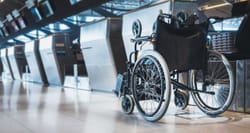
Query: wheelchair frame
column 132, row 83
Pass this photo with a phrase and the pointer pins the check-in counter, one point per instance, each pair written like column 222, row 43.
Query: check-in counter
column 247, row 86
column 56, row 57
column 241, row 101
column 75, row 71
column 1, row 67
column 49, row 59
column 103, row 52
column 37, row 73
column 17, row 61
column 7, row 72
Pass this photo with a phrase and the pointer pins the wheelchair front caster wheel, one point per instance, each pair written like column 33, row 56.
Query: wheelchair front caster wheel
column 181, row 99
column 127, row 104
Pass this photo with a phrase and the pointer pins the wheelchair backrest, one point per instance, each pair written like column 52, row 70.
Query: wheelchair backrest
column 182, row 47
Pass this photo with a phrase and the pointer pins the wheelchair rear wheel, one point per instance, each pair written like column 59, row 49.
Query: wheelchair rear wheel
column 216, row 85
column 151, row 85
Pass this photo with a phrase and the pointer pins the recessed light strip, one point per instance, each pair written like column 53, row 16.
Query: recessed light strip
column 207, row 7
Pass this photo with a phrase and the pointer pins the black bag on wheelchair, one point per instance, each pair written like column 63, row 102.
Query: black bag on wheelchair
column 183, row 48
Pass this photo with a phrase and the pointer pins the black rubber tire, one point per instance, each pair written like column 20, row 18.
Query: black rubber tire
column 181, row 99
column 151, row 86
column 220, row 78
column 127, row 104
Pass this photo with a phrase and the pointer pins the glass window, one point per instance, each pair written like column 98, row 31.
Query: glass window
column 37, row 34
column 57, row 27
column 11, row 41
column 23, row 38
column 231, row 24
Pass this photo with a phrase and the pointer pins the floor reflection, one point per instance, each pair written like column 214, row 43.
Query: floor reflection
column 28, row 107
column 6, row 93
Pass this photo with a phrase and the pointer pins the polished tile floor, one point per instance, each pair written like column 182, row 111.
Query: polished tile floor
column 32, row 108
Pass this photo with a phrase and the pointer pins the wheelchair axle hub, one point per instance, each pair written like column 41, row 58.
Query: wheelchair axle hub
column 147, row 85
column 209, row 82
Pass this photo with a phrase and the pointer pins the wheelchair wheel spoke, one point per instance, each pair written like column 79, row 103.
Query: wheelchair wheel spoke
column 148, row 86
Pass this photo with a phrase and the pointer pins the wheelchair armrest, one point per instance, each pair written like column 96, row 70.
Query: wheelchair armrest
column 142, row 39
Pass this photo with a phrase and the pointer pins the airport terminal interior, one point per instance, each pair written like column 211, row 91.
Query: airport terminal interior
column 124, row 66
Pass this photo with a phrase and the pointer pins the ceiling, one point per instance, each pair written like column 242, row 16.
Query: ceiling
column 84, row 12
column 8, row 6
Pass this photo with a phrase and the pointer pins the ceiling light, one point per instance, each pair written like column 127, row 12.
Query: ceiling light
column 207, row 7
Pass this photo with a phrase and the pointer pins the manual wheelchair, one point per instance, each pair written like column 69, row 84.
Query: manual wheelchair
column 152, row 74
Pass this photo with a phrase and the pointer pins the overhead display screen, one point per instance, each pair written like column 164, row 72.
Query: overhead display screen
column 36, row 14
column 5, row 31
column 21, row 22
column 14, row 25
column 46, row 9
column 1, row 33
column 72, row 2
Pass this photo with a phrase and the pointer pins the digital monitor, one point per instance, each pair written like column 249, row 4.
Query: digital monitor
column 1, row 24
column 72, row 2
column 10, row 27
column 14, row 26
column 21, row 22
column 231, row 24
column 1, row 33
column 5, row 31
column 36, row 14
column 46, row 9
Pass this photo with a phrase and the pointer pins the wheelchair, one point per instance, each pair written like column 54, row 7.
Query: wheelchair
column 152, row 74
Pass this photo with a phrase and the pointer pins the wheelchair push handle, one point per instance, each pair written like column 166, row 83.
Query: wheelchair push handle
column 142, row 39
column 214, row 19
